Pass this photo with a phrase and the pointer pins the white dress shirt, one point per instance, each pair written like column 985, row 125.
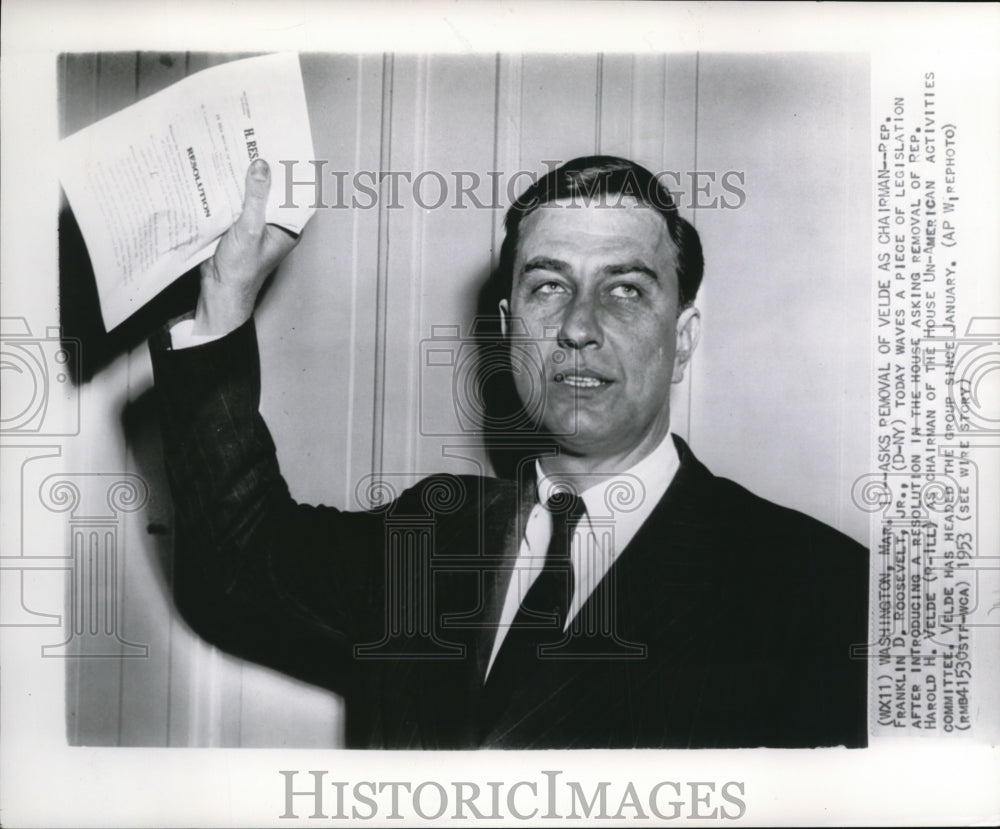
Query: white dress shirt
column 616, row 508
column 182, row 335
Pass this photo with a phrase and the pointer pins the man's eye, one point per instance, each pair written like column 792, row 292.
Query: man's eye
column 626, row 291
column 549, row 288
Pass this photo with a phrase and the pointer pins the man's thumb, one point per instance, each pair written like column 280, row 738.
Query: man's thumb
column 258, row 184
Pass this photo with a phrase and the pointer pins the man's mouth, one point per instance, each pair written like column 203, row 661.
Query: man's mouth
column 581, row 380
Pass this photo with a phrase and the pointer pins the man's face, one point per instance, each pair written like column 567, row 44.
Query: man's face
column 596, row 288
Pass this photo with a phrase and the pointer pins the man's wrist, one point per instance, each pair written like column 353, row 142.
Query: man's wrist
column 220, row 311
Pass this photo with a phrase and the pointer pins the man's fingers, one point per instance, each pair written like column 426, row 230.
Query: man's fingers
column 258, row 184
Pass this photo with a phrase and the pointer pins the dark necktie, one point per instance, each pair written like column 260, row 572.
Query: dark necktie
column 542, row 614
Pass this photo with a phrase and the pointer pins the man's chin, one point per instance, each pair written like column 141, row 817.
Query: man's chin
column 584, row 443
column 599, row 440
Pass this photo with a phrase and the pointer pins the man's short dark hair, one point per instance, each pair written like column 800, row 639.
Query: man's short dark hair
column 605, row 180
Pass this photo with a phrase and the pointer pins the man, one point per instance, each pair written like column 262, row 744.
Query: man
column 546, row 610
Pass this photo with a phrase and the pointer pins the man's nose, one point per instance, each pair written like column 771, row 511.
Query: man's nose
column 580, row 326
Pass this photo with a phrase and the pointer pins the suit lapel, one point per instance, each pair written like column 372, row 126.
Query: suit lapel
column 506, row 520
column 659, row 594
column 474, row 554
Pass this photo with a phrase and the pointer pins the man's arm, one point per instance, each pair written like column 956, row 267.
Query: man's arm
column 254, row 572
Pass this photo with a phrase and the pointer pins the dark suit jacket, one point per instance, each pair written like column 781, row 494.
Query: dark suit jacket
column 727, row 621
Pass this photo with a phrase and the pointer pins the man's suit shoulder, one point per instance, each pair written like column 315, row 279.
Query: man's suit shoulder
column 438, row 494
column 762, row 542
column 753, row 514
column 790, row 572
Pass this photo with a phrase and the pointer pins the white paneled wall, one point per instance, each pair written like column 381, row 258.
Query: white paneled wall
column 777, row 400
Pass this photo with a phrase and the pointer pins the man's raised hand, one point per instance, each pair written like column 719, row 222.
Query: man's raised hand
column 246, row 254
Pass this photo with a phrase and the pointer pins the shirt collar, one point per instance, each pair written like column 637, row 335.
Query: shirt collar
column 645, row 480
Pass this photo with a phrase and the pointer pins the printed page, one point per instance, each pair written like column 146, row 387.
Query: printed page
column 154, row 186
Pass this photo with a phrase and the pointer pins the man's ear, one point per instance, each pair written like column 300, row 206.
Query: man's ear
column 504, row 307
column 688, row 331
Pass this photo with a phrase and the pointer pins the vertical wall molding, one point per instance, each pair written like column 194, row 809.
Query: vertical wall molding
column 382, row 274
column 599, row 103
column 417, row 255
column 352, row 360
column 689, row 374
column 697, row 69
column 614, row 106
column 506, row 133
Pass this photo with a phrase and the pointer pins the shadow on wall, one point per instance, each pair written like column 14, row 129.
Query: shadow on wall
column 509, row 426
column 80, row 308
